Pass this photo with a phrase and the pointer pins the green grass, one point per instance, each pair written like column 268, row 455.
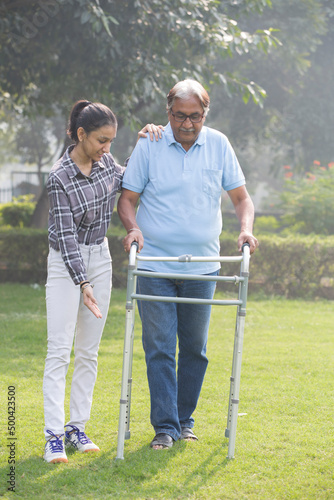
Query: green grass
column 285, row 440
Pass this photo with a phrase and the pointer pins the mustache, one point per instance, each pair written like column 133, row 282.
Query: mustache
column 186, row 129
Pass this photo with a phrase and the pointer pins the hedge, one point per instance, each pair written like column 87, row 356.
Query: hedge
column 296, row 266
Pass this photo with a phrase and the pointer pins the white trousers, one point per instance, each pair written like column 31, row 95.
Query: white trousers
column 68, row 319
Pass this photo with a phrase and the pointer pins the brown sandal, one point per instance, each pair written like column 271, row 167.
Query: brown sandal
column 187, row 433
column 164, row 440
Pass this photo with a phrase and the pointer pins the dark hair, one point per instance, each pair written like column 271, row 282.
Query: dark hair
column 186, row 89
column 90, row 116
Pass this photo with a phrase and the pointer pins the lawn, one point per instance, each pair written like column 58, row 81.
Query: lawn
column 285, row 436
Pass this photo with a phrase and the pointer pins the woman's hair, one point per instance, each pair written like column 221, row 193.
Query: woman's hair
column 90, row 116
column 188, row 88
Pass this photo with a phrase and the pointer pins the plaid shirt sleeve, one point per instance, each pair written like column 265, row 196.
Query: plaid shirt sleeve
column 119, row 173
column 81, row 208
column 66, row 229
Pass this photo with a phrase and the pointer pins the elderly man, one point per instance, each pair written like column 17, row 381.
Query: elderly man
column 179, row 181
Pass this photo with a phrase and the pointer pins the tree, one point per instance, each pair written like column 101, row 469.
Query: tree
column 126, row 54
column 39, row 141
column 307, row 121
column 308, row 202
column 297, row 119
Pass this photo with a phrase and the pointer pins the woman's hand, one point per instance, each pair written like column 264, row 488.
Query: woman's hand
column 91, row 302
column 152, row 130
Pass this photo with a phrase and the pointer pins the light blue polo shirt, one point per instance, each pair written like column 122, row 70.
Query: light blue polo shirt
column 180, row 197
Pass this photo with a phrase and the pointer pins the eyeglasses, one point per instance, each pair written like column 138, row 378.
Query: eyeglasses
column 181, row 117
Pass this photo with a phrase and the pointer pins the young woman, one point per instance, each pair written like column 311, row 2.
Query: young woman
column 82, row 187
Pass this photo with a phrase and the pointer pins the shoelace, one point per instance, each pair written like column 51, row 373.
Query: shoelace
column 55, row 442
column 82, row 438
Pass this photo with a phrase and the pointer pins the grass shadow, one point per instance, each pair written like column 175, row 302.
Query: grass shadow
column 144, row 473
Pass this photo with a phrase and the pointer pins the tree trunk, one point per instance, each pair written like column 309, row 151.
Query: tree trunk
column 40, row 216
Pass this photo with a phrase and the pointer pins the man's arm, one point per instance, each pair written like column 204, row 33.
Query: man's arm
column 244, row 209
column 126, row 208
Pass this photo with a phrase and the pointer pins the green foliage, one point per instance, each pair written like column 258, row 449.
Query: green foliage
column 32, row 139
column 297, row 121
column 291, row 266
column 295, row 266
column 266, row 224
column 144, row 47
column 18, row 212
column 23, row 254
column 308, row 203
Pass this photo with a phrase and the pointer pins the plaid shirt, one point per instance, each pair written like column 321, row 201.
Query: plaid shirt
column 81, row 207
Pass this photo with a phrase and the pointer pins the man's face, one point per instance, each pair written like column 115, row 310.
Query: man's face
column 186, row 132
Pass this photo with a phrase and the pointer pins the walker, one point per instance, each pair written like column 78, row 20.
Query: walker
column 132, row 296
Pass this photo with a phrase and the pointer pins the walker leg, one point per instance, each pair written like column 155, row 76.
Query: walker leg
column 129, row 386
column 232, row 380
column 125, row 401
column 124, row 413
column 232, row 416
column 235, row 387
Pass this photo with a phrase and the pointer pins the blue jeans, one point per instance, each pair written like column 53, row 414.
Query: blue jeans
column 174, row 396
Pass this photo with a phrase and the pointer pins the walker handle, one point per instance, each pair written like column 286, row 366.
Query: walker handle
column 132, row 254
column 135, row 243
column 245, row 245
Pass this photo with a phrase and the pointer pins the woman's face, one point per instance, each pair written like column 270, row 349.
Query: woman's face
column 96, row 143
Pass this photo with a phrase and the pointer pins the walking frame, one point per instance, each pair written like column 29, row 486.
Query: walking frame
column 132, row 296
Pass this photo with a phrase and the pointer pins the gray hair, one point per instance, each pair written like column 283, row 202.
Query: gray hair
column 188, row 88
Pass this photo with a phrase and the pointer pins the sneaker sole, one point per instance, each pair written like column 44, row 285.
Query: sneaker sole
column 72, row 446
column 57, row 461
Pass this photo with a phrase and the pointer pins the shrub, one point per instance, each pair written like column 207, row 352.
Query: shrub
column 296, row 266
column 18, row 212
column 266, row 224
column 308, row 203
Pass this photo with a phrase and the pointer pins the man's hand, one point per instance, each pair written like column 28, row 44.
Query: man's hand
column 246, row 237
column 134, row 235
column 154, row 131
column 244, row 209
column 126, row 210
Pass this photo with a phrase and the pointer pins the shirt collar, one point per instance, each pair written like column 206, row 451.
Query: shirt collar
column 201, row 139
column 73, row 169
